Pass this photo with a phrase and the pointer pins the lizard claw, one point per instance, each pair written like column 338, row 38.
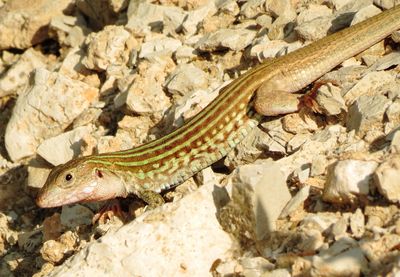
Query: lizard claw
column 309, row 99
column 108, row 211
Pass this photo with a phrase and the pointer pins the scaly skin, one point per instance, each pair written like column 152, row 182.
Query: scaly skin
column 216, row 130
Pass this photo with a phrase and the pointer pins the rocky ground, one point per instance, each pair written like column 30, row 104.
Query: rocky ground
column 306, row 194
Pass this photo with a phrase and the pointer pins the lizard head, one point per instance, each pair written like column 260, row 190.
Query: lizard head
column 79, row 181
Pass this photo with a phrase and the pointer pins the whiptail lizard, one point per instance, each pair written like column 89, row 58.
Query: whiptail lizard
column 216, row 130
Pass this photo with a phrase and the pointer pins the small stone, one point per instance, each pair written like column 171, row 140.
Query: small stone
column 55, row 251
column 72, row 216
column 17, row 76
column 52, row 228
column 339, row 228
column 159, row 46
column 255, row 266
column 373, row 83
column 348, row 263
column 330, row 100
column 195, row 17
column 386, row 178
column 296, row 202
column 185, row 54
column 357, row 224
column 348, row 178
column 252, row 8
column 68, row 146
column 313, row 11
column 366, row 114
column 185, row 79
column 111, row 46
column 234, row 39
column 364, row 13
column 37, row 174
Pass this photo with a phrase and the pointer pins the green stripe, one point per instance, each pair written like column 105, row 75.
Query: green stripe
column 223, row 98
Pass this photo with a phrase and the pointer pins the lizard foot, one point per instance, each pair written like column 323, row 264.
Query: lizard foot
column 108, row 211
column 308, row 99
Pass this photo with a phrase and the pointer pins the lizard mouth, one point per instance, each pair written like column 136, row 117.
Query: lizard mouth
column 108, row 186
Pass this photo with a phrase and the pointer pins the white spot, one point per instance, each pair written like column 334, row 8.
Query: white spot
column 88, row 189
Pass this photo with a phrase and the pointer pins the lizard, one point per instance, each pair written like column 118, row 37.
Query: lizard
column 265, row 90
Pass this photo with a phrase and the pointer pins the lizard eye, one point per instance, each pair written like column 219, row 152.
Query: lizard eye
column 68, row 177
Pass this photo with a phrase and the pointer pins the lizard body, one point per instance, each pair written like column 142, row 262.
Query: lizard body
column 217, row 129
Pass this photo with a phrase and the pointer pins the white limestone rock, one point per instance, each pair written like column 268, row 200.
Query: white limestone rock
column 348, row 178
column 45, row 109
column 186, row 231
column 387, row 177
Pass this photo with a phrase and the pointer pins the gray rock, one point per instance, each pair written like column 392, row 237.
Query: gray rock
column 259, row 194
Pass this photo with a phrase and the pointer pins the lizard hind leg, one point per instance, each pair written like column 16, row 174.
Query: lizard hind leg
column 275, row 102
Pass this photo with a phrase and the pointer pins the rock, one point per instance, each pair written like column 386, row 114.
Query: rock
column 17, row 76
column 186, row 231
column 52, row 227
column 73, row 67
column 364, row 13
column 296, row 201
column 393, row 113
column 252, row 8
column 320, row 222
column 37, row 174
column 73, row 216
column 159, row 46
column 195, row 17
column 22, row 25
column 348, row 178
column 281, row 272
column 136, row 128
column 70, row 31
column 144, row 16
column 373, row 83
column 279, row 8
column 351, row 262
column 255, row 266
column 68, row 145
column 357, row 223
column 366, row 114
column 315, row 29
column 45, row 109
column 185, row 54
column 386, row 61
column 330, row 100
column 251, row 213
column 185, row 79
column 56, row 250
column 312, row 12
column 101, row 13
column 111, row 46
column 234, row 39
column 146, row 96
column 263, row 48
column 386, row 178
column 379, row 216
